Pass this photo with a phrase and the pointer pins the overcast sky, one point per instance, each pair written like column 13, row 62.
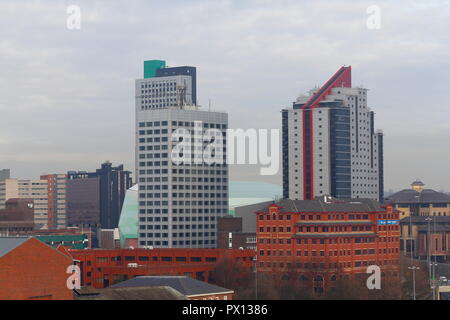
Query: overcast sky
column 67, row 96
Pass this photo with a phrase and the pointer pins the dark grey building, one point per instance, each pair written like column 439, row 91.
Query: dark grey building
column 247, row 213
column 114, row 183
column 108, row 186
column 230, row 235
column 83, row 202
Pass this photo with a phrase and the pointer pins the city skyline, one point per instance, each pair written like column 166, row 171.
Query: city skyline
column 66, row 121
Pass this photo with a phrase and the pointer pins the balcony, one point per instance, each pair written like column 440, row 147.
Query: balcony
column 334, row 235
column 336, row 222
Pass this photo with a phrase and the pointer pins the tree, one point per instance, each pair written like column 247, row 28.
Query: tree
column 422, row 280
column 231, row 274
column 348, row 287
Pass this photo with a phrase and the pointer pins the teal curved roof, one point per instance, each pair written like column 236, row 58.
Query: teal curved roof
column 244, row 193
column 249, row 189
column 241, row 193
column 128, row 222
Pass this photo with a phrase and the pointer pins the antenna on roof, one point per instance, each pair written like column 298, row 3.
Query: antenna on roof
column 293, row 202
column 181, row 95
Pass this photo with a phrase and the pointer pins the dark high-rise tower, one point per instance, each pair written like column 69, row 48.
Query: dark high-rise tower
column 4, row 174
column 114, row 183
column 110, row 185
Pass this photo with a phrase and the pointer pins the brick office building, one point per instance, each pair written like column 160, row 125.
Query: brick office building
column 103, row 268
column 325, row 238
column 32, row 270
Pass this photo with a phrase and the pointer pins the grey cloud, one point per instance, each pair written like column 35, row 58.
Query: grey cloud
column 67, row 100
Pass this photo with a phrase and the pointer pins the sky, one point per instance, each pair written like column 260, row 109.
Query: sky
column 67, row 96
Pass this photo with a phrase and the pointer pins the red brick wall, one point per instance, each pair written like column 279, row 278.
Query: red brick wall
column 102, row 268
column 34, row 271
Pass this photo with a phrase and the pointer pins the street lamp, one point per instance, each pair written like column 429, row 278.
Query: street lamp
column 432, row 265
column 255, row 258
column 433, row 285
column 435, row 256
column 429, row 248
column 414, row 268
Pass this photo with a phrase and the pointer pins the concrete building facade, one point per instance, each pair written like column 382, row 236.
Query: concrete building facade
column 38, row 191
column 9, row 188
column 57, row 206
column 27, row 189
column 179, row 202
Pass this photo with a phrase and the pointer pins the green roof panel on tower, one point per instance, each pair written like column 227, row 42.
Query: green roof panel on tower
column 150, row 67
column 128, row 223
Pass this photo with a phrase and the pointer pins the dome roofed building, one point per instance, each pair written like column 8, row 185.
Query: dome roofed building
column 417, row 185
column 417, row 230
column 419, row 201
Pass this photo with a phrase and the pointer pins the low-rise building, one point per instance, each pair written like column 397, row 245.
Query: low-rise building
column 230, row 234
column 191, row 288
column 103, row 268
column 108, row 238
column 130, row 293
column 418, row 201
column 17, row 217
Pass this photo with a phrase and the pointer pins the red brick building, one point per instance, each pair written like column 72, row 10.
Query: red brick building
column 32, row 270
column 103, row 268
column 324, row 238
